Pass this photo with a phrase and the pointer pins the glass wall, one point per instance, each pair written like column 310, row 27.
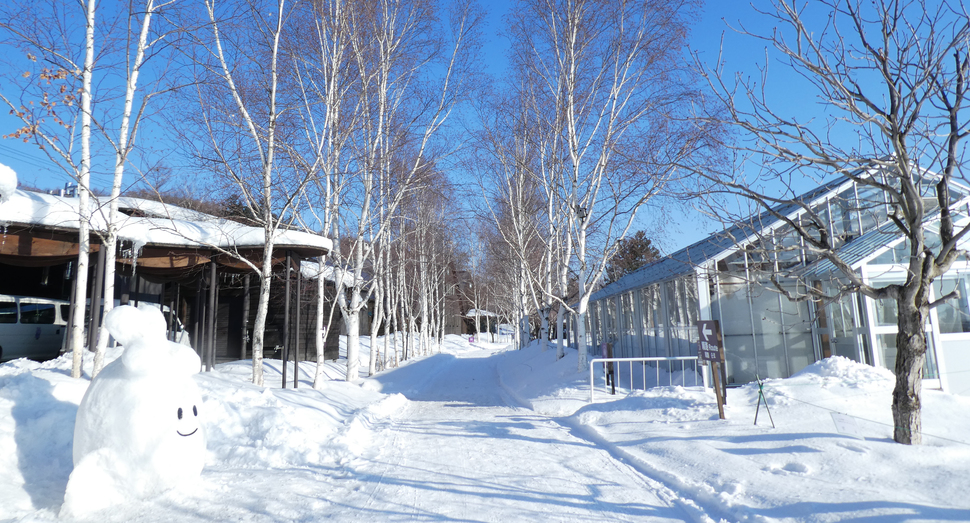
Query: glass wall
column 652, row 322
column 629, row 341
column 682, row 309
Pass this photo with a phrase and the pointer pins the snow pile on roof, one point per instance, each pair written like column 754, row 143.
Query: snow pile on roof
column 163, row 224
column 337, row 275
column 8, row 183
column 479, row 312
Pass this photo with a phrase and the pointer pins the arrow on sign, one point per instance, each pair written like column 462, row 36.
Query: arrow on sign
column 708, row 334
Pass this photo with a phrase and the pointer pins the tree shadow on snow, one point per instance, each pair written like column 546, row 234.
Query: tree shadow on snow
column 869, row 511
column 44, row 434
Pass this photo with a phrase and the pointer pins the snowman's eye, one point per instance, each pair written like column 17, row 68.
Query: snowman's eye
column 195, row 411
column 180, row 412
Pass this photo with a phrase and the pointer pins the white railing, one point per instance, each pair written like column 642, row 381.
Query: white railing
column 643, row 364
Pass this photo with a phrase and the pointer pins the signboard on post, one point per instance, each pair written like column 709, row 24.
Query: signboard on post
column 711, row 348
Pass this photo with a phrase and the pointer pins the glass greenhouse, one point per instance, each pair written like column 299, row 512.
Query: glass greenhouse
column 727, row 277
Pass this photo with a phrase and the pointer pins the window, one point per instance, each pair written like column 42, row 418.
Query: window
column 8, row 312
column 37, row 313
column 954, row 314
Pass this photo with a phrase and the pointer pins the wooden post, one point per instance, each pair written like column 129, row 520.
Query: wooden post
column 296, row 352
column 66, row 342
column 716, row 372
column 211, row 323
column 197, row 316
column 710, row 347
column 286, row 318
column 96, row 300
column 245, row 318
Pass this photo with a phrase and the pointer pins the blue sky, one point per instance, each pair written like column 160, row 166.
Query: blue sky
column 741, row 54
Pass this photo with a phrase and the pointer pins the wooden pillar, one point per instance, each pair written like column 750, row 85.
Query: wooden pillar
column 245, row 317
column 134, row 276
column 211, row 334
column 286, row 317
column 96, row 300
column 70, row 310
column 296, row 353
column 197, row 316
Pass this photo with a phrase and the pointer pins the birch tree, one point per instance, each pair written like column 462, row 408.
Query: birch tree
column 607, row 81
column 890, row 82
column 123, row 143
column 243, row 63
column 42, row 32
column 410, row 71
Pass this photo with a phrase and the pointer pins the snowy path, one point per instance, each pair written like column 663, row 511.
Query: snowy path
column 462, row 453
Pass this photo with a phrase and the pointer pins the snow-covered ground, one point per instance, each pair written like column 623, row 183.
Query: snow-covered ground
column 479, row 433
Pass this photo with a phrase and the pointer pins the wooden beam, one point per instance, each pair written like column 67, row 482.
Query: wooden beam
column 25, row 243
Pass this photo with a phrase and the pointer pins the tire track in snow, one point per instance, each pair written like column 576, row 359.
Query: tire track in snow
column 667, row 486
column 463, row 451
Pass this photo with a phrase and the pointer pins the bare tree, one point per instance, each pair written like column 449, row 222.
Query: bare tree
column 242, row 104
column 411, row 72
column 44, row 32
column 890, row 78
column 605, row 83
column 130, row 118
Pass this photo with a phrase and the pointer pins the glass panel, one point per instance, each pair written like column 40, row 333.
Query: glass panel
column 769, row 340
column 631, row 346
column 886, row 344
column 736, row 329
column 8, row 312
column 954, row 314
column 37, row 313
column 653, row 329
column 609, row 319
column 788, row 247
column 845, row 216
column 886, row 315
column 872, row 207
column 813, row 226
column 797, row 321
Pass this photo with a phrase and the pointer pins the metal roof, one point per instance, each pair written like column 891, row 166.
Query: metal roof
column 719, row 245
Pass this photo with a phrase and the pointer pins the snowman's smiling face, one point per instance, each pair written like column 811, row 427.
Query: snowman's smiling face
column 188, row 421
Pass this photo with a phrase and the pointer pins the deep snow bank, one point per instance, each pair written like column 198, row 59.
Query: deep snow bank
column 801, row 470
column 248, row 428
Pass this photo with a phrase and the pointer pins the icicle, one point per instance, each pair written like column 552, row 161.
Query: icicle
column 135, row 249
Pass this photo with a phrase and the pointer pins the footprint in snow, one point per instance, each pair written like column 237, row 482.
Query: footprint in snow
column 788, row 468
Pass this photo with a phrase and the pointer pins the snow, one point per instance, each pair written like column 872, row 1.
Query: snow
column 479, row 312
column 8, row 183
column 138, row 430
column 476, row 432
column 163, row 224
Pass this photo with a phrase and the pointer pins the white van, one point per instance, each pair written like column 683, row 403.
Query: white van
column 31, row 327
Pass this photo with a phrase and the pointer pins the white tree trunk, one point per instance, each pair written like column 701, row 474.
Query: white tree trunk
column 320, row 336
column 121, row 158
column 83, row 186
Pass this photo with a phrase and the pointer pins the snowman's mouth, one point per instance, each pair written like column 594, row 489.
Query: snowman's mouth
column 186, row 435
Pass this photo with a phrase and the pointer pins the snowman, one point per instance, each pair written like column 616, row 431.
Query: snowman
column 139, row 429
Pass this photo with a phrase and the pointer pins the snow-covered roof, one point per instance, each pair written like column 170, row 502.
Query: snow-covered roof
column 8, row 183
column 162, row 224
column 478, row 312
column 312, row 270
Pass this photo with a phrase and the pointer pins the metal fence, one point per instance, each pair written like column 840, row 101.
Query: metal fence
column 688, row 365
